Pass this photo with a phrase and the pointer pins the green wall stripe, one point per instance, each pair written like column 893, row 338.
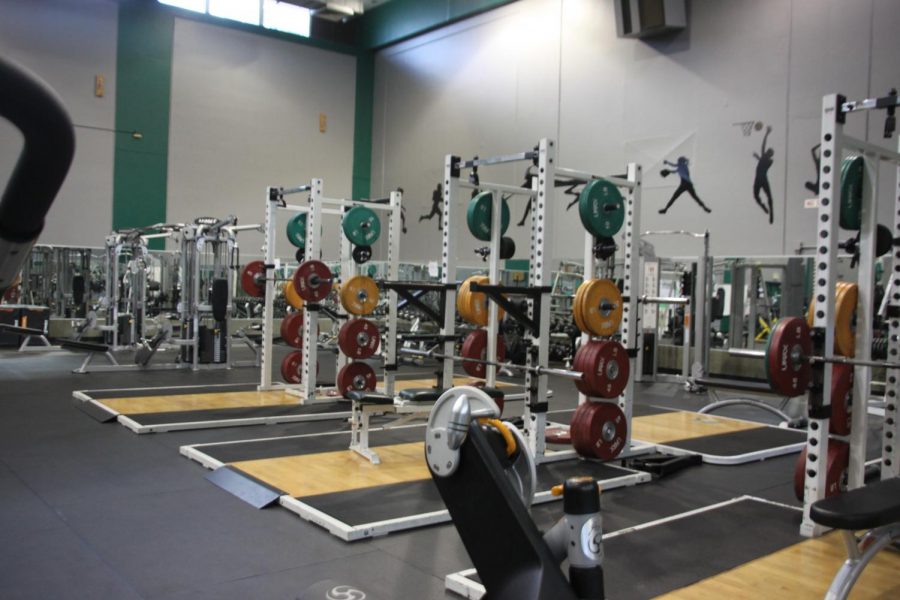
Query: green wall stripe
column 399, row 20
column 362, row 124
column 143, row 86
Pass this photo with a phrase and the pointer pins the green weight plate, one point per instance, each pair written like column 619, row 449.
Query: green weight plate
column 478, row 216
column 361, row 226
column 296, row 230
column 601, row 208
column 852, row 169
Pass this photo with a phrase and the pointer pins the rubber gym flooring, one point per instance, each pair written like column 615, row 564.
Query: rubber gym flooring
column 92, row 511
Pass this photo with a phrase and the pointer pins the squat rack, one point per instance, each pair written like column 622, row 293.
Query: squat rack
column 834, row 143
column 537, row 331
column 316, row 207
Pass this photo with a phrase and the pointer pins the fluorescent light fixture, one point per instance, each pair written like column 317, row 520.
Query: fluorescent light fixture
column 245, row 11
column 194, row 5
column 340, row 8
column 289, row 18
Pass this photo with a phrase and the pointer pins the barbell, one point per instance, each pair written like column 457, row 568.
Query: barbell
column 602, row 365
column 789, row 357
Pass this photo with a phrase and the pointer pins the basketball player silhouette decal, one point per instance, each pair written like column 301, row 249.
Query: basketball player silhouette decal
column 761, row 180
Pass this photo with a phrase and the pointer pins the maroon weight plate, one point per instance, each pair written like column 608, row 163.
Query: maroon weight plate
column 835, row 469
column 841, row 389
column 253, row 279
column 356, row 376
column 475, row 346
column 292, row 329
column 787, row 363
column 313, row 280
column 557, row 435
column 599, row 430
column 582, row 359
column 359, row 338
column 290, row 366
column 606, row 373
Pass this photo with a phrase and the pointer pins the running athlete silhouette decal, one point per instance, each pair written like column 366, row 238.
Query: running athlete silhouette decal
column 437, row 197
column 686, row 185
column 761, row 180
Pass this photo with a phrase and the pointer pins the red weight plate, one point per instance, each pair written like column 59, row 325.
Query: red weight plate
column 253, row 279
column 557, row 435
column 787, row 365
column 582, row 359
column 475, row 346
column 313, row 280
column 841, row 388
column 578, row 425
column 359, row 338
column 606, row 375
column 835, row 469
column 290, row 366
column 356, row 376
column 292, row 329
column 601, row 430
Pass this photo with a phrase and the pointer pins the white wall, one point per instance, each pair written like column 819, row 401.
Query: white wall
column 245, row 115
column 67, row 43
column 555, row 68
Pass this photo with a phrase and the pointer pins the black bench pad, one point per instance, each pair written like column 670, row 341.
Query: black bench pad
column 363, row 397
column 91, row 346
column 863, row 508
column 494, row 393
column 421, row 394
column 20, row 330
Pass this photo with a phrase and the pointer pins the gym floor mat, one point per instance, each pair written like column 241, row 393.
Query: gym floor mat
column 804, row 570
column 720, row 440
column 149, row 410
column 323, row 481
column 678, row 551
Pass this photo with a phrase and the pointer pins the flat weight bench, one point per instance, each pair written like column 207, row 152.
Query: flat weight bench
column 92, row 349
column 875, row 508
column 28, row 334
column 365, row 404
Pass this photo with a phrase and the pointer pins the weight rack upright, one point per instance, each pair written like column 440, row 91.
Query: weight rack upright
column 834, row 143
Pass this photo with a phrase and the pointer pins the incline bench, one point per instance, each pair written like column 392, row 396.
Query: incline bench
column 876, row 508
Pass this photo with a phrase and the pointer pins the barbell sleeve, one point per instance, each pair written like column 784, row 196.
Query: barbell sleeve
column 842, row 360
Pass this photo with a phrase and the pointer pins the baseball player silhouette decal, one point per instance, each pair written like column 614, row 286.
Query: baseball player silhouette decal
column 685, row 185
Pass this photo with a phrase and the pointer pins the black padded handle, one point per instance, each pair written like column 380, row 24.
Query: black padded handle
column 37, row 111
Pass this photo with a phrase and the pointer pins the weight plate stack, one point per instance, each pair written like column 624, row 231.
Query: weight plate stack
column 835, row 469
column 296, row 230
column 356, row 376
column 601, row 208
column 359, row 295
column 479, row 216
column 292, row 329
column 598, row 430
column 852, row 171
column 361, row 226
column 359, row 338
column 475, row 346
column 787, row 368
column 253, row 278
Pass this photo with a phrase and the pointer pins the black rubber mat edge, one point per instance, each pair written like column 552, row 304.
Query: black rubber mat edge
column 96, row 412
column 242, row 412
column 229, row 452
column 251, row 490
column 736, row 443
